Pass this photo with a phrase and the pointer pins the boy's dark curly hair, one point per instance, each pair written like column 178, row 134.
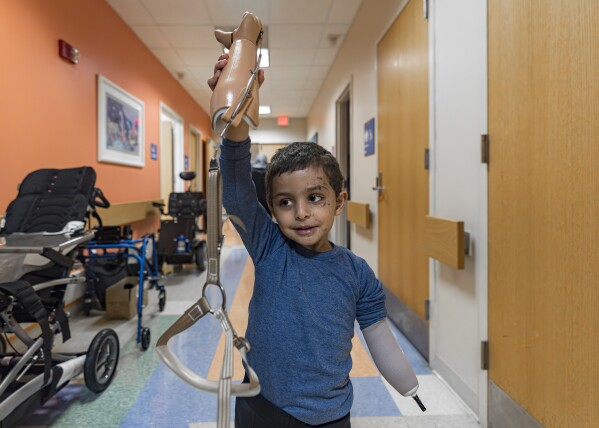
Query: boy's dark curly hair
column 298, row 156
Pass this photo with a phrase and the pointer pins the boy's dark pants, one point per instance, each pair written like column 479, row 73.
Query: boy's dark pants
column 257, row 412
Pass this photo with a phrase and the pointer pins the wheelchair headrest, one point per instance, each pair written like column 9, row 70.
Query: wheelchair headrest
column 187, row 175
column 49, row 199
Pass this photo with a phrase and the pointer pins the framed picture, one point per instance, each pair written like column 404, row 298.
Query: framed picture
column 121, row 124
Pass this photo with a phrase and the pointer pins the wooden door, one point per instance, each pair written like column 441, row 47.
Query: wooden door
column 402, row 139
column 544, row 208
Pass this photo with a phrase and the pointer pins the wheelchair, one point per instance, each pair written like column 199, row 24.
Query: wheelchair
column 178, row 243
column 41, row 236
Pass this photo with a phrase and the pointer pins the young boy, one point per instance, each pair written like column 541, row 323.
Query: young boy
column 307, row 291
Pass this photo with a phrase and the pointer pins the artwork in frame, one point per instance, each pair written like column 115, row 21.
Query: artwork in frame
column 121, row 124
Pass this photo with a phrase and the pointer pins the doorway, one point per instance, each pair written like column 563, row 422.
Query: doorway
column 172, row 154
column 342, row 152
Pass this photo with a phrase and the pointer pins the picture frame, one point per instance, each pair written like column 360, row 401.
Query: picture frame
column 121, row 125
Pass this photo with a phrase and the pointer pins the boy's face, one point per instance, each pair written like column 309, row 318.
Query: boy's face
column 305, row 206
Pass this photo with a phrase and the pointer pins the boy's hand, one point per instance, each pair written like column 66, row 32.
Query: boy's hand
column 241, row 131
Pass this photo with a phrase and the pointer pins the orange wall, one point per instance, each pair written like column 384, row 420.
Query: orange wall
column 48, row 107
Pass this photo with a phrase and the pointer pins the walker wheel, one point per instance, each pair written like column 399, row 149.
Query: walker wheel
column 101, row 360
column 145, row 338
column 161, row 300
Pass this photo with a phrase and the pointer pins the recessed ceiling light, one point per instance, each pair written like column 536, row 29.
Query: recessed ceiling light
column 264, row 110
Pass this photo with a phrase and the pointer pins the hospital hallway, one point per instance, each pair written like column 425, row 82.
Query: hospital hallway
column 145, row 393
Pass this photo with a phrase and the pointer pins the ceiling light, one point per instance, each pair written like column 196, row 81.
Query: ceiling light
column 264, row 110
column 265, row 61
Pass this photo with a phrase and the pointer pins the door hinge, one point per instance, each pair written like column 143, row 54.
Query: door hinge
column 427, row 159
column 425, row 9
column 427, row 309
column 484, row 355
column 484, row 148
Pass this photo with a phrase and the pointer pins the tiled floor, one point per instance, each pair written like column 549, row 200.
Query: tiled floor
column 145, row 393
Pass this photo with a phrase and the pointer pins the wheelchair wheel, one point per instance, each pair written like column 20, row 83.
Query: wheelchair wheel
column 200, row 255
column 145, row 338
column 101, row 360
column 161, row 300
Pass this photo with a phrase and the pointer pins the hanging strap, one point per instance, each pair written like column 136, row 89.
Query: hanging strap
column 224, row 386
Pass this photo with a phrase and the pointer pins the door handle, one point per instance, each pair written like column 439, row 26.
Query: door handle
column 379, row 184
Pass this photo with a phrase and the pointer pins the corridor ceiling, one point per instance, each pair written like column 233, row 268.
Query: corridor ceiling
column 303, row 37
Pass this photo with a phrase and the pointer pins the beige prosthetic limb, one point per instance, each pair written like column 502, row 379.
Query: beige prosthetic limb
column 391, row 361
column 235, row 96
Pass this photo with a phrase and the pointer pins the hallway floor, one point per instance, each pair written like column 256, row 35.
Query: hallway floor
column 145, row 393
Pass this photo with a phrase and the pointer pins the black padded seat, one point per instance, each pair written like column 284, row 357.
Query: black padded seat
column 49, row 199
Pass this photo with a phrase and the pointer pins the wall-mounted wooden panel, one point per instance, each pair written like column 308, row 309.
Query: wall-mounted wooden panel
column 128, row 212
column 445, row 241
column 358, row 213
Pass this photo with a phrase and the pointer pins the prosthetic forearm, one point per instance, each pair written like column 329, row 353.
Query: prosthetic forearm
column 390, row 360
column 234, row 102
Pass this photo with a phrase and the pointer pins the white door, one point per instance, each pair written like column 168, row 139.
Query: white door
column 458, row 88
column 178, row 155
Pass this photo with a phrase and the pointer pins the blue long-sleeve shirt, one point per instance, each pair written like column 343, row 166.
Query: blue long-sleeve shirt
column 303, row 308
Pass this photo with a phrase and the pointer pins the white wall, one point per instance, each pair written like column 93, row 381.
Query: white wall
column 271, row 133
column 355, row 64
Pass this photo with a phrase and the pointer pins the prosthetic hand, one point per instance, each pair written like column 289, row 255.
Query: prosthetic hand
column 391, row 361
column 235, row 96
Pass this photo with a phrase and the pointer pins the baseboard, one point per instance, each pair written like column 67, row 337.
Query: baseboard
column 408, row 322
column 455, row 382
column 506, row 413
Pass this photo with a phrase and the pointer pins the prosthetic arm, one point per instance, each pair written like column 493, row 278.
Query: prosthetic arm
column 235, row 96
column 391, row 361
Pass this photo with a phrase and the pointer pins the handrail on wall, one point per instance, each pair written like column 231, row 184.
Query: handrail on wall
column 446, row 241
column 358, row 213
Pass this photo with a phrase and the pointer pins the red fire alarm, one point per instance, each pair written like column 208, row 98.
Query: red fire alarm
column 68, row 52
column 283, row 121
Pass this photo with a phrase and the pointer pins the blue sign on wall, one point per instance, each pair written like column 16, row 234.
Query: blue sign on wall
column 186, row 162
column 369, row 137
column 153, row 151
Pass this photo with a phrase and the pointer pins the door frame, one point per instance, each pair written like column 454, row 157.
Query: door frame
column 479, row 247
column 167, row 113
column 343, row 145
column 198, row 151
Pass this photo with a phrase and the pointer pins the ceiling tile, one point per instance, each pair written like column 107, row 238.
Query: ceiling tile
column 132, row 12
column 151, row 36
column 230, row 12
column 202, row 73
column 324, row 56
column 295, row 36
column 313, row 83
column 343, row 11
column 281, row 86
column 186, row 12
column 318, row 71
column 304, row 12
column 199, row 57
column 168, row 57
column 189, row 36
column 300, row 56
column 293, row 72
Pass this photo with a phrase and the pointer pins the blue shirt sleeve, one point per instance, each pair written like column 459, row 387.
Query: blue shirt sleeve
column 370, row 307
column 261, row 234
